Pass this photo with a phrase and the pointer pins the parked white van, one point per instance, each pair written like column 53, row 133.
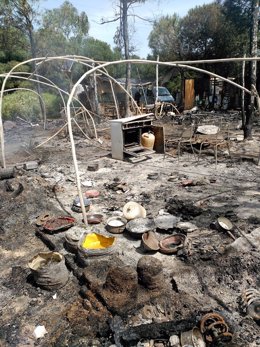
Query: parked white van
column 148, row 95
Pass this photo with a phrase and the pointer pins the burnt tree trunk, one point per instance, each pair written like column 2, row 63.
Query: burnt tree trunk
column 243, row 95
column 251, row 102
column 126, row 49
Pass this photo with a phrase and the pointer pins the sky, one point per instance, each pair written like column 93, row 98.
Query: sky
column 152, row 9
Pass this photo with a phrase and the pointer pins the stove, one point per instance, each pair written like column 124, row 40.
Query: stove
column 126, row 134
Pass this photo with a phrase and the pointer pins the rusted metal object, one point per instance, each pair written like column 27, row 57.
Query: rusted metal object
column 250, row 300
column 215, row 329
column 43, row 218
column 56, row 224
column 209, row 319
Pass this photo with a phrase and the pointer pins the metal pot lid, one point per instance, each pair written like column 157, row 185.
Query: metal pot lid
column 76, row 201
column 140, row 225
column 166, row 221
column 208, row 129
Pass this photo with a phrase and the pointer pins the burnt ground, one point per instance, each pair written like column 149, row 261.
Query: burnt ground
column 106, row 302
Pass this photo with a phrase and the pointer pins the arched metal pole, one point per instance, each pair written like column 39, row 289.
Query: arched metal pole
column 92, row 70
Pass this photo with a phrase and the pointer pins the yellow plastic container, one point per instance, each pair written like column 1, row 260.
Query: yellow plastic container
column 147, row 140
column 97, row 241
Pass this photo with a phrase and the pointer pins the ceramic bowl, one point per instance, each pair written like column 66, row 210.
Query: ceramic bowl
column 150, row 241
column 171, row 244
column 116, row 224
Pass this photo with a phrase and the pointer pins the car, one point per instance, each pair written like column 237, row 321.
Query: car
column 148, row 95
column 163, row 95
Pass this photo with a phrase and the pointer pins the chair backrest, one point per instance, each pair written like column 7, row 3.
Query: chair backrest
column 187, row 133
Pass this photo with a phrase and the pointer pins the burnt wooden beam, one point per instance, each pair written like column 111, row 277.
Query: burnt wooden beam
column 46, row 240
column 157, row 330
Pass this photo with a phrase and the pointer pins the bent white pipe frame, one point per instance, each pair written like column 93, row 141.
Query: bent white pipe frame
column 93, row 69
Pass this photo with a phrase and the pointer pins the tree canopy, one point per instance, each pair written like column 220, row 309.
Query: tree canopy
column 216, row 30
column 203, row 31
column 66, row 21
column 164, row 40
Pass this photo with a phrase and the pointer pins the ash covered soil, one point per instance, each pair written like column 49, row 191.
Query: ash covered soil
column 132, row 295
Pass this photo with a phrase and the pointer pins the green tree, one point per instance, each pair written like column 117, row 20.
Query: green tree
column 238, row 15
column 23, row 14
column 13, row 45
column 66, row 21
column 63, row 31
column 164, row 40
column 97, row 50
column 202, row 32
column 207, row 33
column 101, row 51
column 248, row 126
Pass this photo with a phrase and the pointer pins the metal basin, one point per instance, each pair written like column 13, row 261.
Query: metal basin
column 94, row 218
column 138, row 226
